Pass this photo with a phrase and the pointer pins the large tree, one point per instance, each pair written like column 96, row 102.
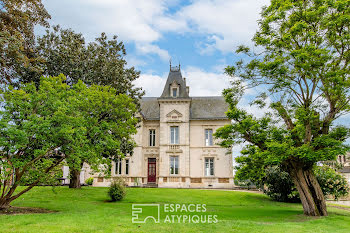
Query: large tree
column 43, row 126
column 17, row 40
column 302, row 69
column 100, row 62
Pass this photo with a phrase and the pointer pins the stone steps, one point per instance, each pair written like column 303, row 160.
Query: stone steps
column 150, row 185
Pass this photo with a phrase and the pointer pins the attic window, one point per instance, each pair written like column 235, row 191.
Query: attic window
column 174, row 92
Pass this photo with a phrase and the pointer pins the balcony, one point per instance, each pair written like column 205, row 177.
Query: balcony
column 174, row 149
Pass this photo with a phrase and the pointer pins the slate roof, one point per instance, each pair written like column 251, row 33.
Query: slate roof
column 210, row 107
column 150, row 108
column 202, row 108
column 175, row 75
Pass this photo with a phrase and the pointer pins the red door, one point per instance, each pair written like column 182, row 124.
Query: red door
column 151, row 170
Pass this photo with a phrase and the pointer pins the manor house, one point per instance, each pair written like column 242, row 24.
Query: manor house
column 175, row 142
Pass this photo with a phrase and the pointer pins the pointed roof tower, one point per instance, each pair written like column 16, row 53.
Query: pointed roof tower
column 175, row 79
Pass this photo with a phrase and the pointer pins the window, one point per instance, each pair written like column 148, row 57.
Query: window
column 209, row 167
column 152, row 137
column 174, row 165
column 208, row 137
column 118, row 166
column 174, row 92
column 127, row 167
column 174, row 135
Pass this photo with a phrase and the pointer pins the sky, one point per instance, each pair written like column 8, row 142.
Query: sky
column 201, row 35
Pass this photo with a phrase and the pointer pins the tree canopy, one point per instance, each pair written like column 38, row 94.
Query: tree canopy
column 42, row 126
column 17, row 40
column 302, row 69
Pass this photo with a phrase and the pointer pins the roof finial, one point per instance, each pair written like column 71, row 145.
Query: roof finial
column 170, row 63
column 179, row 65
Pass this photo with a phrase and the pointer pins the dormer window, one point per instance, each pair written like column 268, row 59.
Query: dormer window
column 174, row 92
column 174, row 89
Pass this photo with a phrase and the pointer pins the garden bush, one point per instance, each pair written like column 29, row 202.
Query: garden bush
column 89, row 181
column 279, row 185
column 332, row 183
column 117, row 190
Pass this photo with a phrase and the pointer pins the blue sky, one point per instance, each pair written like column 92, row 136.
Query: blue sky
column 200, row 34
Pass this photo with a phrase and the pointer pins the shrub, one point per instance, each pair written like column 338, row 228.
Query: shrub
column 279, row 186
column 331, row 182
column 117, row 190
column 89, row 181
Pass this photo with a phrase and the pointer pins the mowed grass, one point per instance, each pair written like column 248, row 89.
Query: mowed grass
column 86, row 210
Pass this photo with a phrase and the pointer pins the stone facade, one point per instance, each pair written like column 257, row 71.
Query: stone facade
column 175, row 143
column 344, row 160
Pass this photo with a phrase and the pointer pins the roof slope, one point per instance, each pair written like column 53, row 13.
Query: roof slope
column 211, row 107
column 205, row 108
column 150, row 108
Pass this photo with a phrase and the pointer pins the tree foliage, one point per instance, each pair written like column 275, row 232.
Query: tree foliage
column 100, row 62
column 41, row 127
column 17, row 40
column 51, row 178
column 303, row 71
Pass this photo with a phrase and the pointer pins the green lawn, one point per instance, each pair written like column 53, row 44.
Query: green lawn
column 86, row 210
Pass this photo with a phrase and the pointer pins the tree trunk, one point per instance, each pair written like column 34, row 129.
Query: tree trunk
column 4, row 204
column 74, row 179
column 310, row 192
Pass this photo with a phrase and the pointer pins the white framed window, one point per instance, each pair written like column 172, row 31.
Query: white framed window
column 118, row 166
column 174, row 91
column 174, row 134
column 152, row 137
column 209, row 167
column 174, row 165
column 126, row 166
column 208, row 137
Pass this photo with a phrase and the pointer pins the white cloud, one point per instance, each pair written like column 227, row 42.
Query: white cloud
column 227, row 23
column 134, row 61
column 152, row 84
column 153, row 49
column 138, row 21
column 130, row 19
column 204, row 83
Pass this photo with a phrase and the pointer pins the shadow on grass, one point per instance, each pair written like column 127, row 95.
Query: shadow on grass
column 14, row 210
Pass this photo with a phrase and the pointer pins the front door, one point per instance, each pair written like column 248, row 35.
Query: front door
column 151, row 170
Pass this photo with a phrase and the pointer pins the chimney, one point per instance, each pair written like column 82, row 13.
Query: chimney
column 187, row 87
